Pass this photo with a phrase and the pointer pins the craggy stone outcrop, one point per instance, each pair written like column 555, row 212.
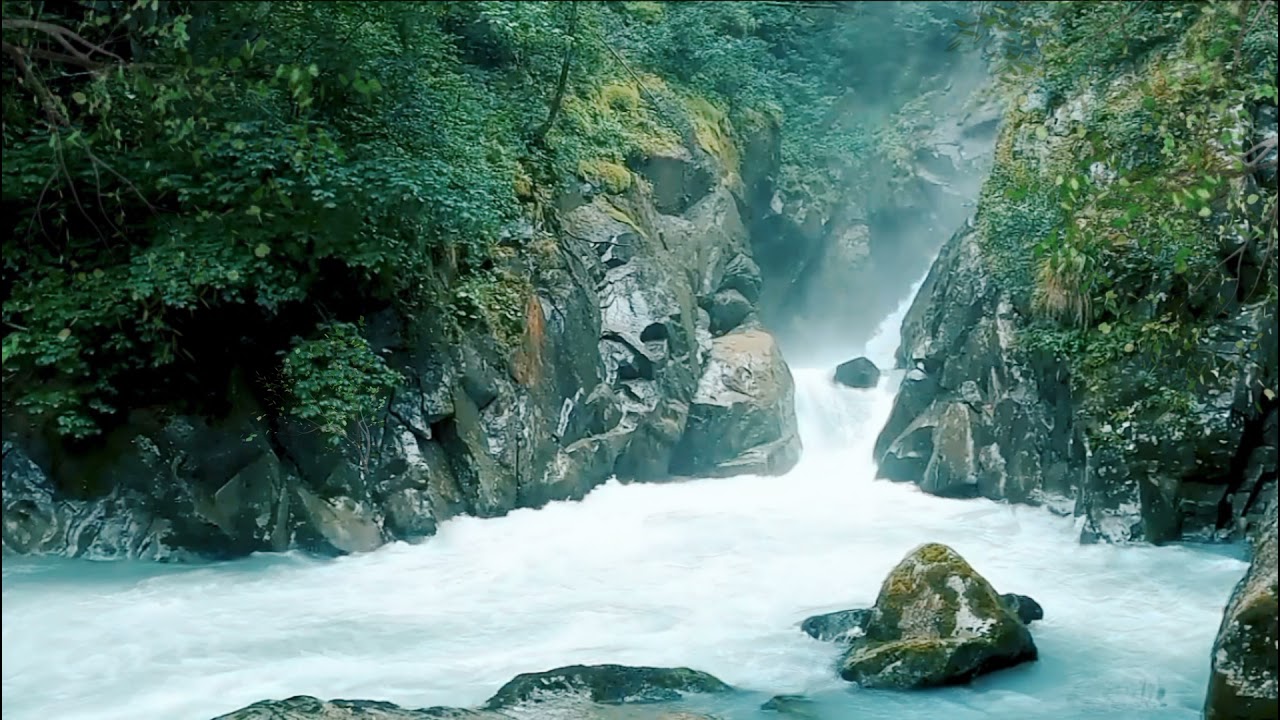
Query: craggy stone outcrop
column 1243, row 679
column 976, row 416
column 1006, row 399
column 639, row 355
column 579, row 692
column 936, row 622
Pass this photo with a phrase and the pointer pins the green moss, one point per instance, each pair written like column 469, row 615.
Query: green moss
column 614, row 178
column 715, row 134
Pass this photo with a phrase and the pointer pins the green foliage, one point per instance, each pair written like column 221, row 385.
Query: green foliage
column 1126, row 206
column 336, row 380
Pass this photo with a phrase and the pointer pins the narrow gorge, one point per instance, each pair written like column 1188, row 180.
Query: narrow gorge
column 481, row 358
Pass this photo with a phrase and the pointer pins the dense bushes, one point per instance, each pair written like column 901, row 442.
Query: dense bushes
column 189, row 181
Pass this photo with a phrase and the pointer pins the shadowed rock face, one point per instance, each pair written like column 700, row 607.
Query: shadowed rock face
column 936, row 622
column 642, row 358
column 1243, row 679
column 975, row 416
column 578, row 692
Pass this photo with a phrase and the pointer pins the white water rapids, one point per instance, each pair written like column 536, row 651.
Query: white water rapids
column 708, row 574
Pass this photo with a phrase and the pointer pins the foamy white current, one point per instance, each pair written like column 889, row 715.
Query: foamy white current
column 709, row 574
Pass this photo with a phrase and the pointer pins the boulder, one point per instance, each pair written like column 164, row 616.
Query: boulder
column 858, row 373
column 742, row 418
column 1242, row 679
column 303, row 707
column 727, row 309
column 608, row 684
column 1027, row 609
column 577, row 692
column 847, row 625
column 840, row 626
column 936, row 622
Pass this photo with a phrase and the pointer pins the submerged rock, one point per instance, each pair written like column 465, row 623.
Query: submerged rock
column 576, row 692
column 858, row 373
column 606, row 684
column 841, row 625
column 936, row 622
column 1243, row 679
column 303, row 707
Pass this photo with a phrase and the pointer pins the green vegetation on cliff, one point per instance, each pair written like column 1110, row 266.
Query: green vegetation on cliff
column 193, row 181
column 1132, row 207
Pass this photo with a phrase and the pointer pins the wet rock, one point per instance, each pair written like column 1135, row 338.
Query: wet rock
column 605, row 684
column 727, row 309
column 792, row 706
column 1027, row 609
column 839, row 626
column 858, row 373
column 1243, row 678
column 742, row 418
column 936, row 622
column 304, row 707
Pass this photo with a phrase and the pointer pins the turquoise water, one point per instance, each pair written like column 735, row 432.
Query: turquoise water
column 710, row 574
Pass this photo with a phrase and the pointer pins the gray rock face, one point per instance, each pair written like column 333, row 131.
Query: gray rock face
column 976, row 416
column 936, row 622
column 742, row 418
column 1243, row 678
column 640, row 359
column 578, row 692
column 858, row 373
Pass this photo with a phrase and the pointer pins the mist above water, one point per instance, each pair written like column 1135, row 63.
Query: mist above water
column 712, row 574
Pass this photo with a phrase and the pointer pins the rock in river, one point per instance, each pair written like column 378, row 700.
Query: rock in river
column 576, row 692
column 936, row 622
column 858, row 373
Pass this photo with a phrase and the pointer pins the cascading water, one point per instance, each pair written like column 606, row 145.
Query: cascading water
column 711, row 574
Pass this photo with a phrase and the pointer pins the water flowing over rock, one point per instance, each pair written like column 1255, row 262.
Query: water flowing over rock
column 578, row 692
column 1243, row 679
column 858, row 373
column 936, row 622
column 641, row 357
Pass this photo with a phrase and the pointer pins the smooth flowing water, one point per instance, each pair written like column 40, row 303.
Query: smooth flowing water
column 710, row 574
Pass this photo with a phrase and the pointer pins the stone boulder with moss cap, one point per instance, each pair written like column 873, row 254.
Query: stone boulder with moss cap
column 936, row 622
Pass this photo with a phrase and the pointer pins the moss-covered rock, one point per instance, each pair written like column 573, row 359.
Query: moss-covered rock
column 936, row 622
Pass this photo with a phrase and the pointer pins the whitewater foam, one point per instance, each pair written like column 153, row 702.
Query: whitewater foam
column 713, row 574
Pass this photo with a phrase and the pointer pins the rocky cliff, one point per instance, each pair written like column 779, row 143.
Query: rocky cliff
column 837, row 255
column 1087, row 343
column 1242, row 683
column 639, row 355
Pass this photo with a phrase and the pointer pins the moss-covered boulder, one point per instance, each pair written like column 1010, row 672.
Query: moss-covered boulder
column 1242, row 683
column 936, row 622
